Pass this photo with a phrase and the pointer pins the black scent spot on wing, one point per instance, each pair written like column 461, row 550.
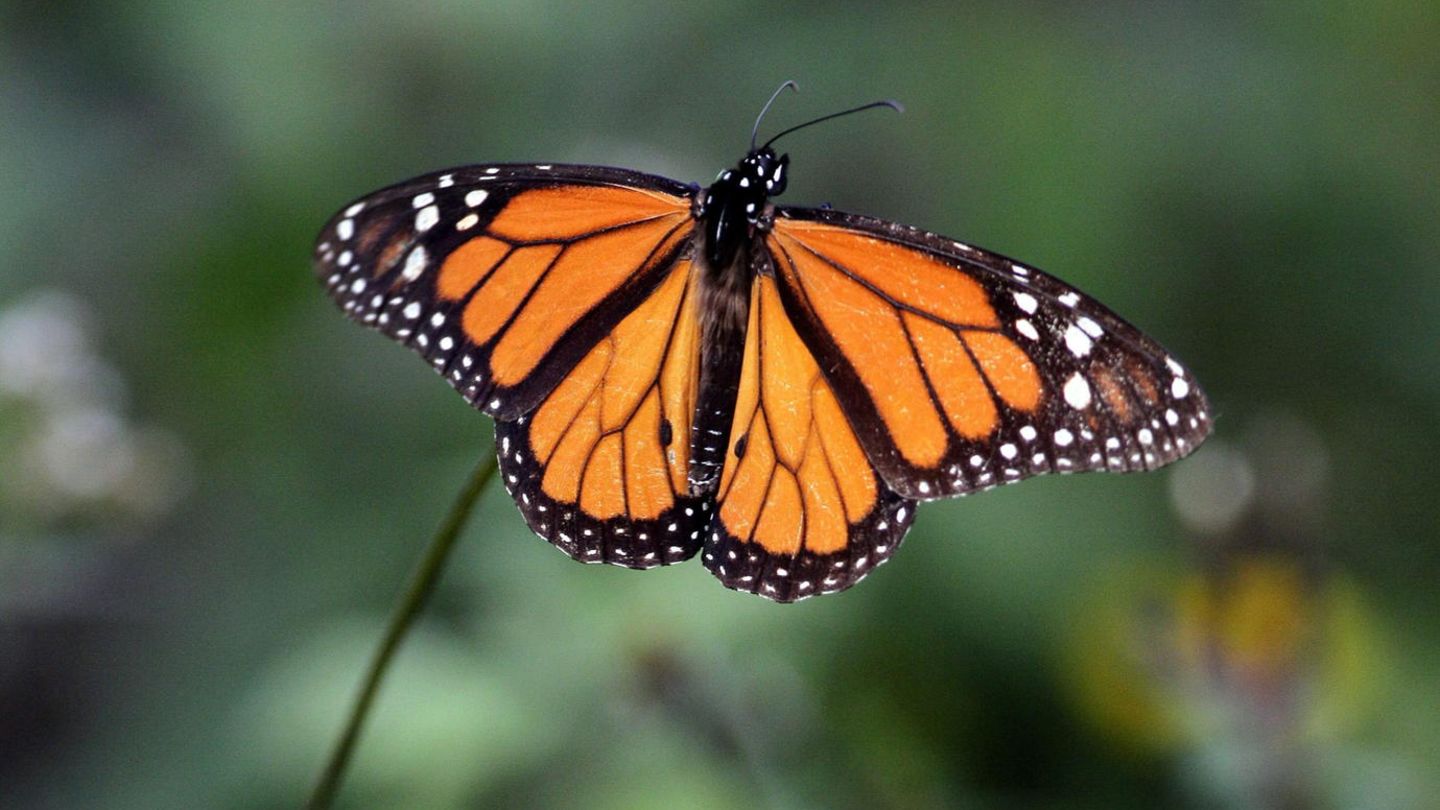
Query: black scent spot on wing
column 667, row 433
column 740, row 446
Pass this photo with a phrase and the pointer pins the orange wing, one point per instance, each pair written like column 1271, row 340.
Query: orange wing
column 801, row 510
column 504, row 277
column 960, row 369
column 600, row 467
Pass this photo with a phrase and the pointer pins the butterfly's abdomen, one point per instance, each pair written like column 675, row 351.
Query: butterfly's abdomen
column 724, row 314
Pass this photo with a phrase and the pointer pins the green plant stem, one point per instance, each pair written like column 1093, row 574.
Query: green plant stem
column 417, row 593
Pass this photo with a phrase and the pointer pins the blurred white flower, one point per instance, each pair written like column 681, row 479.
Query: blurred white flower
column 1213, row 490
column 67, row 450
column 45, row 353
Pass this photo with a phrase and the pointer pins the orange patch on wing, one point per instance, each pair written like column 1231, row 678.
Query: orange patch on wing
column 788, row 371
column 1011, row 372
column 580, row 278
column 559, row 409
column 782, row 516
column 957, row 383
column 826, row 530
column 646, row 483
column 390, row 255
column 496, row 300
column 639, row 342
column 467, row 265
column 869, row 333
column 562, row 472
column 1142, row 379
column 846, row 459
column 679, row 378
column 567, row 212
column 370, row 232
column 909, row 276
column 602, row 493
column 1113, row 393
column 743, row 499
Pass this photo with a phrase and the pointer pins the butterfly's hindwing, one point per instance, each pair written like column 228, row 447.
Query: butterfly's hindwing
column 800, row 510
column 600, row 468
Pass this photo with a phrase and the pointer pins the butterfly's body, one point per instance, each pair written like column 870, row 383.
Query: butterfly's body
column 676, row 370
column 729, row 214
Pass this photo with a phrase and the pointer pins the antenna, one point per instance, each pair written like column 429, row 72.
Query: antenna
column 894, row 105
column 754, row 131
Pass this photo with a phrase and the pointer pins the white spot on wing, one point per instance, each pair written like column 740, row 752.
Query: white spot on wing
column 1077, row 341
column 1077, row 392
column 414, row 264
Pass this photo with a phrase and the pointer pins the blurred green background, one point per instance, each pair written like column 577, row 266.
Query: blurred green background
column 212, row 485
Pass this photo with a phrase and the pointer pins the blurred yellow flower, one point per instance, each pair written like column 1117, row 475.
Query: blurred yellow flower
column 1162, row 660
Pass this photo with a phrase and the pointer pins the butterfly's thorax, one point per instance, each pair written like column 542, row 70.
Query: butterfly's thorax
column 735, row 204
column 731, row 212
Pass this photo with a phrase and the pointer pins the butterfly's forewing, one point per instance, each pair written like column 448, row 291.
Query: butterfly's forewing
column 504, row 277
column 801, row 511
column 960, row 369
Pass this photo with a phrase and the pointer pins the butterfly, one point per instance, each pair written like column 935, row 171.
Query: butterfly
column 676, row 369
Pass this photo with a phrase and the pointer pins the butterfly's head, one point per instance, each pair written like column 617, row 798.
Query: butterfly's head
column 766, row 169
column 757, row 177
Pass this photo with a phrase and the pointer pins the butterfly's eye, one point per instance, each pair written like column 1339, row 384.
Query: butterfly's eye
column 775, row 183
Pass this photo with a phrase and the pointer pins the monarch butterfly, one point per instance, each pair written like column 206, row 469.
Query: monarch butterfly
column 675, row 369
